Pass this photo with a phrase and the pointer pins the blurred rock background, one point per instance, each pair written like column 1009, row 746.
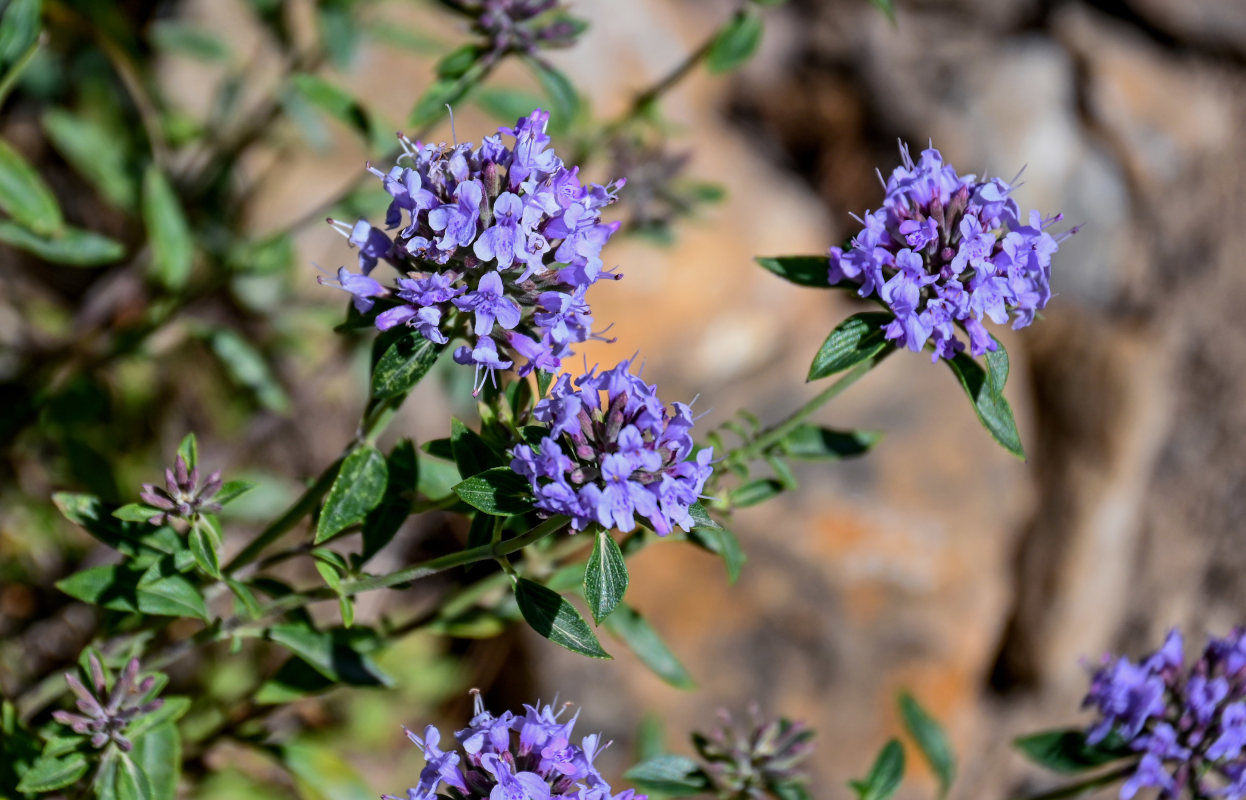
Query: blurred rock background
column 938, row 563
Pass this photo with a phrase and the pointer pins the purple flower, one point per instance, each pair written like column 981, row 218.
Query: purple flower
column 947, row 250
column 512, row 758
column 484, row 354
column 183, row 496
column 607, row 462
column 362, row 288
column 1187, row 721
column 507, row 235
column 104, row 714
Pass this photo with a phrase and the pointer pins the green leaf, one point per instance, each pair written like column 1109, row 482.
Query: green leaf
column 564, row 100
column 247, row 367
column 25, row 196
column 402, row 470
column 553, row 617
column 19, row 27
column 172, row 246
column 158, row 755
column 136, row 512
column 457, row 62
column 887, row 7
column 885, row 776
column 735, row 42
column 403, row 364
column 930, row 739
column 174, row 708
column 636, row 632
column 856, row 339
column 1068, row 752
column 498, row 491
column 110, row 586
column 188, row 40
column 723, row 543
column 339, row 31
column 442, row 92
column 984, row 391
column 96, row 153
column 701, row 518
column 472, row 454
column 543, row 381
column 337, row 103
column 129, row 538
column 358, row 488
column 810, row 271
column 162, row 590
column 334, row 654
column 505, row 104
column 72, row 247
column 188, row 449
column 245, row 596
column 814, row 443
column 673, row 775
column 232, row 490
column 294, row 680
column 605, row 577
column 49, row 774
column 321, row 773
column 131, row 781
column 754, row 492
column 205, row 551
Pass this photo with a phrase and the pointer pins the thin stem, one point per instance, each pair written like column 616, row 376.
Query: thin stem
column 301, row 507
column 1083, row 786
column 776, row 433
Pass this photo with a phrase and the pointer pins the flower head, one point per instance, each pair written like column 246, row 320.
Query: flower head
column 509, row 757
column 520, row 26
column 614, row 451
column 947, row 251
column 754, row 760
column 1187, row 721
column 105, row 714
column 495, row 245
column 183, row 496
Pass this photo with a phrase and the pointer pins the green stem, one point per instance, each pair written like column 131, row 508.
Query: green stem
column 1083, row 786
column 303, row 506
column 777, row 433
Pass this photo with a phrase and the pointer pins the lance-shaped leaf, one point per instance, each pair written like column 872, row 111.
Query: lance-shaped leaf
column 1067, row 751
column 158, row 754
column 321, row 773
column 810, row 442
column 25, row 196
column 809, row 271
column 472, row 454
column 72, row 247
column 884, row 777
column 498, row 491
column 358, row 488
column 735, row 42
column 162, row 590
column 172, row 246
column 404, row 361
column 51, row 773
column 339, row 104
column 131, row 783
column 856, row 339
column 247, row 367
column 564, row 99
column 402, row 470
column 723, row 543
column 673, row 775
column 97, row 153
column 636, row 632
column 930, row 739
column 549, row 614
column 755, row 492
column 605, row 577
column 338, row 654
column 445, row 90
column 985, row 391
column 19, row 27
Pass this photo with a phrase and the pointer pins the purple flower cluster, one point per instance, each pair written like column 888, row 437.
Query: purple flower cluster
column 183, row 496
column 509, row 757
column 497, row 245
column 626, row 454
column 1188, row 722
column 756, row 760
column 521, row 26
column 947, row 250
column 104, row 714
